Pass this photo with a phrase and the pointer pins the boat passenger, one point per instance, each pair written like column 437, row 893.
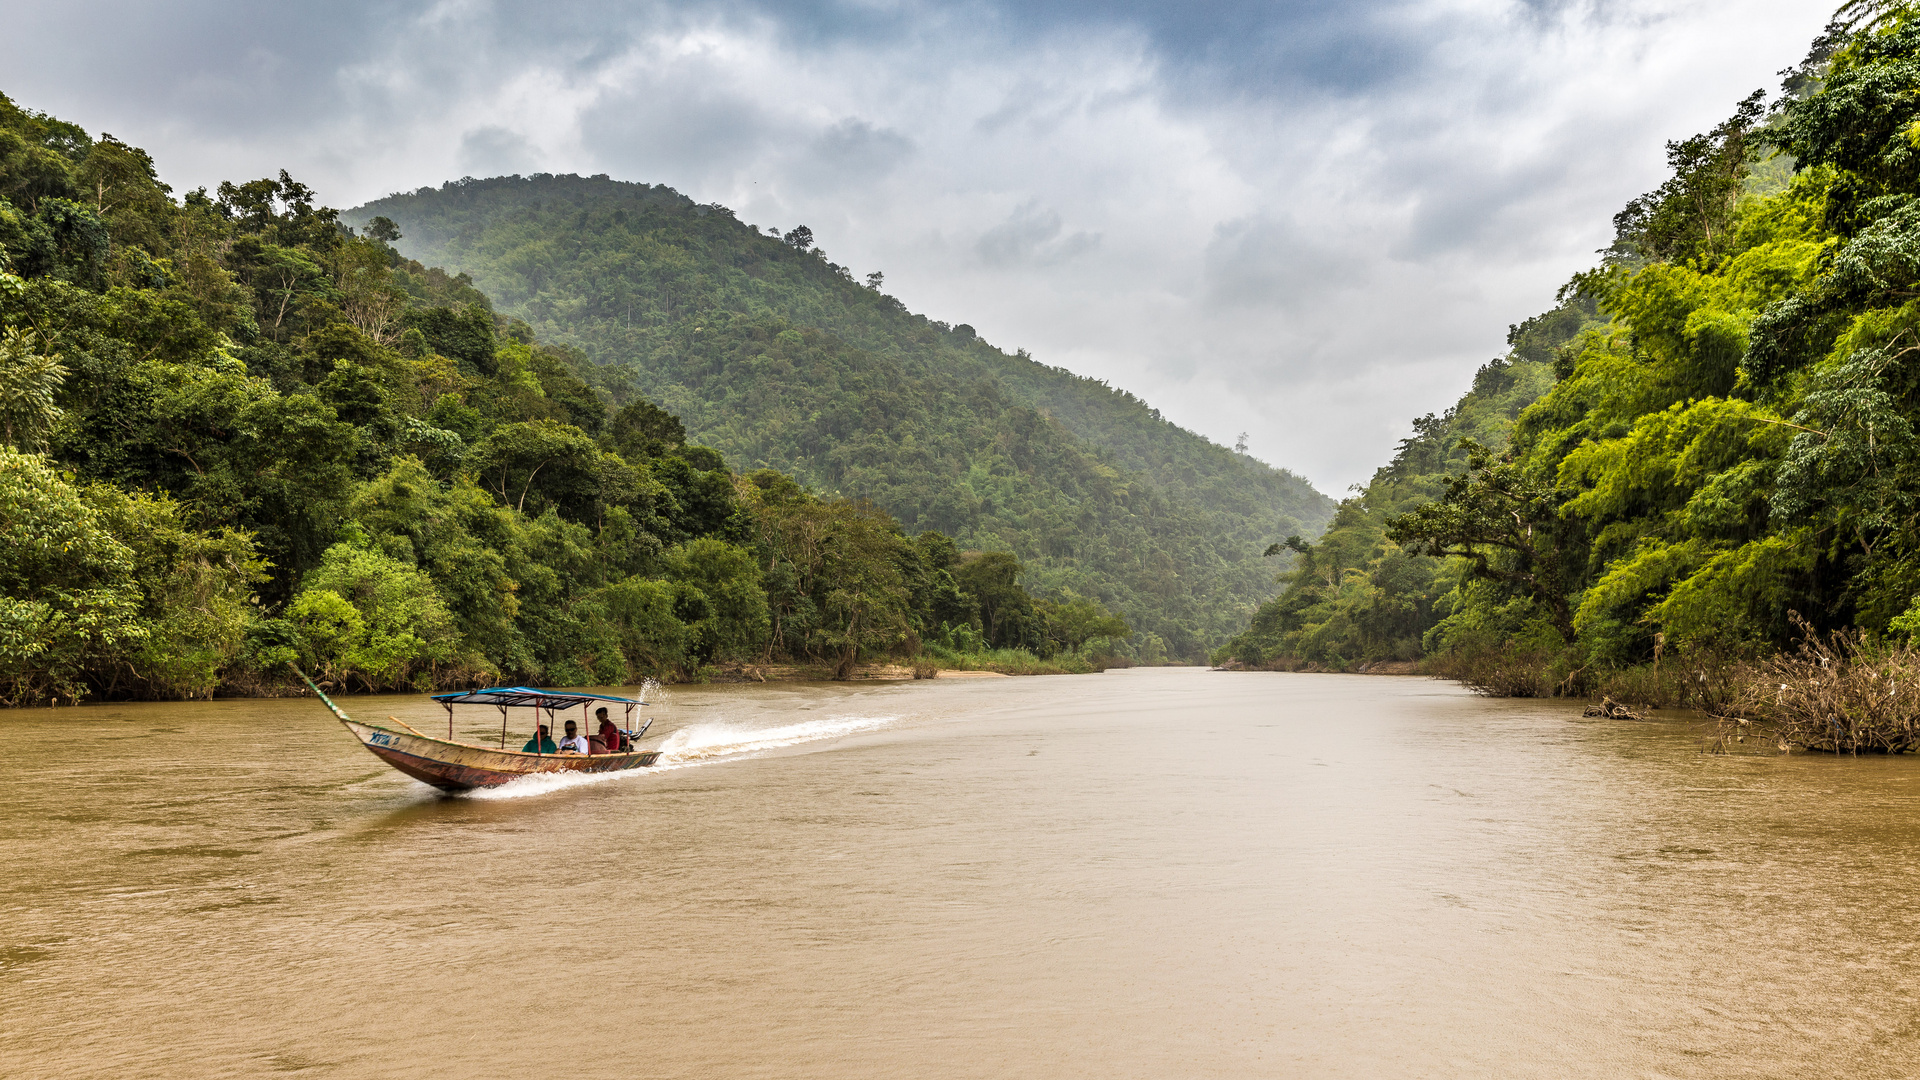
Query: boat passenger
column 607, row 739
column 573, row 742
column 541, row 743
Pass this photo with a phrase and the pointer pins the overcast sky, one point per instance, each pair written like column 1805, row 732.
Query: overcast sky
column 1308, row 221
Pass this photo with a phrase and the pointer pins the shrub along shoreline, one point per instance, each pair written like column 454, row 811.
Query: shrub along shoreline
column 1842, row 692
column 928, row 665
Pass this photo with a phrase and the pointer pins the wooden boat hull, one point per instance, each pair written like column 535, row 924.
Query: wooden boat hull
column 452, row 766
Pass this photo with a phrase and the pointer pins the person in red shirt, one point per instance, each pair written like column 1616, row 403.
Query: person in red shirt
column 607, row 740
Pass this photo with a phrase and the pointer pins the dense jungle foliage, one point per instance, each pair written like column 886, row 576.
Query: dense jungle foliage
column 233, row 434
column 1713, row 432
column 778, row 358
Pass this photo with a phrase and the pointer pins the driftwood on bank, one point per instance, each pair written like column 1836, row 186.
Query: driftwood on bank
column 1610, row 709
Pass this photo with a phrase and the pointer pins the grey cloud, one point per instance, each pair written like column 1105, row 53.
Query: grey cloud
column 1258, row 48
column 1270, row 262
column 1028, row 105
column 1259, row 178
column 496, row 151
column 852, row 153
column 1482, row 210
column 255, row 66
column 860, row 146
column 1032, row 236
column 679, row 127
column 1254, row 47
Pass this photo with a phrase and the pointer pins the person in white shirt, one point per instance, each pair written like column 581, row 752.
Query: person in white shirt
column 574, row 741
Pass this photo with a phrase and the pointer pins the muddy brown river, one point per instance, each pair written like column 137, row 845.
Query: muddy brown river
column 1148, row 873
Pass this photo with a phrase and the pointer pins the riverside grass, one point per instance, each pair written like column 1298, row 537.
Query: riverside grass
column 1700, row 679
column 1843, row 692
column 1013, row 661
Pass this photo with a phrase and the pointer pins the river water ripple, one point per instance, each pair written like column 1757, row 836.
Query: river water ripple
column 1147, row 873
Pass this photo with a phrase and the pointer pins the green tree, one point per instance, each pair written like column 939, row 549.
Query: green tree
column 196, row 591
column 69, row 602
column 643, row 430
column 992, row 579
column 653, row 640
column 864, row 608
column 30, row 378
column 369, row 616
column 512, row 458
column 1073, row 620
column 735, row 619
column 1507, row 527
column 1692, row 212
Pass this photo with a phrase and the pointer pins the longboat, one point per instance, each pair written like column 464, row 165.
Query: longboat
column 458, row 766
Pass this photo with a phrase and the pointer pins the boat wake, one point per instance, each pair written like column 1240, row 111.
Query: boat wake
column 701, row 744
column 706, row 742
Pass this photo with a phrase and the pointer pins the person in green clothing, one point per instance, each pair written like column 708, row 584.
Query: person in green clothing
column 541, row 743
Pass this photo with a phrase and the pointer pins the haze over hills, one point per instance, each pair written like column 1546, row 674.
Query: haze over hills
column 777, row 357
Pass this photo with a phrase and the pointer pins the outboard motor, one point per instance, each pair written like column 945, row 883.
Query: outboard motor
column 629, row 738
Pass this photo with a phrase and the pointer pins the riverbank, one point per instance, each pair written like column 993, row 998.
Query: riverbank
column 1698, row 682
column 933, row 662
column 891, row 672
column 1374, row 667
column 995, row 665
column 1836, row 692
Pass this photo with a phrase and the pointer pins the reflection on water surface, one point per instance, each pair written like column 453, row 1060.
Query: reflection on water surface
column 1161, row 873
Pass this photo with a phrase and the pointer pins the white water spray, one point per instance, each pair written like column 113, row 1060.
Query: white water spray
column 708, row 742
column 701, row 744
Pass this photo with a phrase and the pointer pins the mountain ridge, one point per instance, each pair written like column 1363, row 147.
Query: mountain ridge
column 772, row 354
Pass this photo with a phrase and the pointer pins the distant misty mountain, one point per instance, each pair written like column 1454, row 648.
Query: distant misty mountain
column 778, row 358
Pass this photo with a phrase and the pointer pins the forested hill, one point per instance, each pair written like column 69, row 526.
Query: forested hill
column 1708, row 451
column 235, row 435
column 776, row 356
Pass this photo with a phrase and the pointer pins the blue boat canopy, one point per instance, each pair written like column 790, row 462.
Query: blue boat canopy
column 527, row 696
